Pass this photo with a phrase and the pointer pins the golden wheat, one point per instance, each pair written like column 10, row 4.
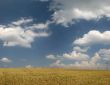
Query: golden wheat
column 53, row 76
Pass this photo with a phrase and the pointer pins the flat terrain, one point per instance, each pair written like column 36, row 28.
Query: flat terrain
column 46, row 76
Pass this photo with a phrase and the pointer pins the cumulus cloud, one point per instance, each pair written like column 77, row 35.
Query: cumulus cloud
column 5, row 60
column 66, row 12
column 18, row 33
column 79, row 49
column 95, row 59
column 29, row 66
column 79, row 57
column 76, row 56
column 57, row 63
column 52, row 57
column 98, row 61
column 44, row 0
column 82, row 60
column 39, row 26
column 22, row 21
column 94, row 37
column 72, row 56
column 91, row 63
column 105, row 54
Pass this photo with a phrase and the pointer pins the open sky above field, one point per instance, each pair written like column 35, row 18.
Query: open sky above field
column 55, row 33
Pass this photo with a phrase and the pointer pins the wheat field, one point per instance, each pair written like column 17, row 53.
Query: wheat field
column 53, row 76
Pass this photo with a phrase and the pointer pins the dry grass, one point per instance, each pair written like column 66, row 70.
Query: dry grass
column 46, row 76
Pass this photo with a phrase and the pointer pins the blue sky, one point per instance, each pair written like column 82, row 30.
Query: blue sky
column 54, row 33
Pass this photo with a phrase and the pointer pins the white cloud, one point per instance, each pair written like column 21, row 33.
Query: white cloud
column 66, row 12
column 44, row 0
column 95, row 59
column 72, row 56
column 94, row 37
column 91, row 63
column 29, row 66
column 58, row 63
column 22, row 21
column 15, row 34
column 76, row 56
column 5, row 60
column 38, row 26
column 52, row 57
column 79, row 49
column 105, row 54
column 82, row 60
column 79, row 56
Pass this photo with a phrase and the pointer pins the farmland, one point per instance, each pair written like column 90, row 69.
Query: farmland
column 53, row 76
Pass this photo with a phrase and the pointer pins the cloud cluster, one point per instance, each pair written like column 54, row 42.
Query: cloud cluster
column 22, row 32
column 82, row 62
column 80, row 58
column 66, row 12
